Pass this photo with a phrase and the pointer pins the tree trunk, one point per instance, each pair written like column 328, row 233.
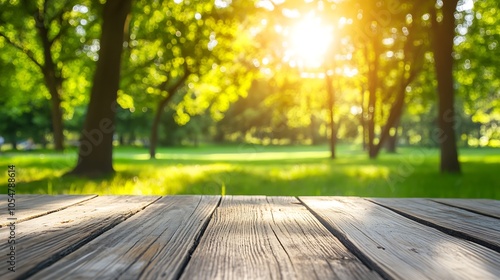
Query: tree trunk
column 132, row 138
column 372, row 96
column 331, row 102
column 394, row 117
column 362, row 118
column 57, row 118
column 313, row 130
column 95, row 154
column 53, row 81
column 392, row 142
column 312, row 126
column 444, row 33
column 466, row 140
column 153, row 141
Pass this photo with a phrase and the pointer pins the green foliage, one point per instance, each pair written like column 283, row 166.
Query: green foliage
column 72, row 27
column 169, row 40
column 239, row 85
column 477, row 71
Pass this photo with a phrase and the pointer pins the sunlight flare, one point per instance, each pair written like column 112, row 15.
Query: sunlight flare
column 310, row 41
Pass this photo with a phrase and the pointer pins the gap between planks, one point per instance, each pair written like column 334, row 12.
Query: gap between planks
column 400, row 247
column 481, row 229
column 270, row 238
column 153, row 244
column 43, row 241
column 486, row 207
column 28, row 206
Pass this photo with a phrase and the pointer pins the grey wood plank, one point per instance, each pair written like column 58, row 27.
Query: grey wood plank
column 28, row 206
column 475, row 227
column 270, row 238
column 401, row 248
column 488, row 207
column 44, row 240
column 153, row 244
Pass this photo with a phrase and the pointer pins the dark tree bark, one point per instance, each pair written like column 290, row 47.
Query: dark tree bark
column 153, row 141
column 95, row 154
column 444, row 33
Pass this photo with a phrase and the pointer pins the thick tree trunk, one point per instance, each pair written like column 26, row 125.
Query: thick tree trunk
column 95, row 154
column 444, row 33
column 153, row 141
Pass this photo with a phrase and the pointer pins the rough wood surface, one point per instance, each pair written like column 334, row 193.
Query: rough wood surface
column 44, row 240
column 475, row 227
column 399, row 247
column 28, row 206
column 482, row 206
column 270, row 238
column 153, row 244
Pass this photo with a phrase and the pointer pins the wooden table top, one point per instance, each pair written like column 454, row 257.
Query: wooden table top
column 253, row 237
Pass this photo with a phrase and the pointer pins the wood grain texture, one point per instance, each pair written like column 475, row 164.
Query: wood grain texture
column 44, row 240
column 270, row 238
column 475, row 227
column 30, row 206
column 401, row 248
column 153, row 244
column 482, row 206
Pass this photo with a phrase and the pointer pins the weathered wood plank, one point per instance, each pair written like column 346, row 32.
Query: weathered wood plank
column 401, row 248
column 29, row 206
column 482, row 206
column 270, row 238
column 475, row 227
column 44, row 240
column 153, row 244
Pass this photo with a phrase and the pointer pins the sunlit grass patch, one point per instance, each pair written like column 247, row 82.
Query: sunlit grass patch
column 413, row 172
column 368, row 172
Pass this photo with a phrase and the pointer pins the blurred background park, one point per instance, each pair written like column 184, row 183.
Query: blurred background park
column 392, row 98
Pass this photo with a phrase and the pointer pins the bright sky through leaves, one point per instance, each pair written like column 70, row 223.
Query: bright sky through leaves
column 310, row 41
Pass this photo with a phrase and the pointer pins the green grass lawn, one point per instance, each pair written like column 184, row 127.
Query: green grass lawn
column 266, row 170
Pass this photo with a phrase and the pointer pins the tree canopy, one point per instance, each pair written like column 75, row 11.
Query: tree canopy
column 379, row 73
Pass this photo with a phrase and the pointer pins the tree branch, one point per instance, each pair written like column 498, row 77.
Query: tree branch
column 175, row 86
column 26, row 51
column 59, row 18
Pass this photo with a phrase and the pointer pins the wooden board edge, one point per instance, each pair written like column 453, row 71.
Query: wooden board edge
column 92, row 196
